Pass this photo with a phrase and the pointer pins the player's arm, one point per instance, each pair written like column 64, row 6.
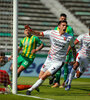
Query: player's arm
column 19, row 49
column 37, row 33
column 72, row 45
column 75, row 42
column 74, row 52
column 38, row 49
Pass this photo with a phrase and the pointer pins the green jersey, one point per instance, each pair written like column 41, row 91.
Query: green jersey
column 28, row 44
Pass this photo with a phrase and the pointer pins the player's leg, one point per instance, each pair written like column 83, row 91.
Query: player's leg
column 78, row 74
column 57, row 80
column 68, row 58
column 54, row 67
column 43, row 69
column 71, row 75
column 23, row 87
column 38, row 82
column 73, row 70
column 23, row 64
column 82, row 67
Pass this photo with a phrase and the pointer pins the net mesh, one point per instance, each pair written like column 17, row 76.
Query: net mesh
column 6, row 25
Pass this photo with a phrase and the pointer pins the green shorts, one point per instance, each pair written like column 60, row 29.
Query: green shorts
column 25, row 62
column 69, row 57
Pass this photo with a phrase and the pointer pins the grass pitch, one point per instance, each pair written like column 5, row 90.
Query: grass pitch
column 80, row 90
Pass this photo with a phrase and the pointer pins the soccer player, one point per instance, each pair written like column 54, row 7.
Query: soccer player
column 5, row 81
column 28, row 45
column 82, row 58
column 69, row 57
column 60, row 41
column 4, row 77
column 3, row 59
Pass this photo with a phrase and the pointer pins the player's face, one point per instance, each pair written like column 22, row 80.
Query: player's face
column 26, row 32
column 62, row 27
column 62, row 18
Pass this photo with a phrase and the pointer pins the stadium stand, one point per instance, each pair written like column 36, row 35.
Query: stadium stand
column 38, row 15
column 31, row 12
column 80, row 8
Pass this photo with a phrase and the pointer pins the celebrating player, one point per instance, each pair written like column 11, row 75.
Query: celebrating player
column 28, row 45
column 69, row 57
column 55, row 59
column 82, row 58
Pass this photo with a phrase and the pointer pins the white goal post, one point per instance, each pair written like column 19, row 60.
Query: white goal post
column 15, row 45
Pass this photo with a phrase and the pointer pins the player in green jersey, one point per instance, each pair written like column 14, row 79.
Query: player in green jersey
column 69, row 57
column 29, row 45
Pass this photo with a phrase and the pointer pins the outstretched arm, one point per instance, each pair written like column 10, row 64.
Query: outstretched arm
column 37, row 33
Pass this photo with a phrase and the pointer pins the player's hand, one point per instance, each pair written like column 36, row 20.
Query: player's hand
column 9, row 58
column 71, row 63
column 27, row 27
column 33, row 51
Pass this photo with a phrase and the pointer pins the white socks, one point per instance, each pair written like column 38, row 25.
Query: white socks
column 37, row 84
column 72, row 73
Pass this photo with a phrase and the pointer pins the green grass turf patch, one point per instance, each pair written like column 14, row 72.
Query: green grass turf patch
column 79, row 90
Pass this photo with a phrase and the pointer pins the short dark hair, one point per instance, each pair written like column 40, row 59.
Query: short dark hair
column 2, row 53
column 63, row 21
column 63, row 14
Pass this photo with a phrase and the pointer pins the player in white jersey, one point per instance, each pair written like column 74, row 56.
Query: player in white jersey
column 82, row 58
column 55, row 60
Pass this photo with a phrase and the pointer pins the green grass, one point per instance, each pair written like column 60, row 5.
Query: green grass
column 79, row 90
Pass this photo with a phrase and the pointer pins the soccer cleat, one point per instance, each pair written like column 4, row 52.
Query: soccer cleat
column 37, row 89
column 51, row 81
column 55, row 85
column 62, row 86
column 68, row 87
column 28, row 92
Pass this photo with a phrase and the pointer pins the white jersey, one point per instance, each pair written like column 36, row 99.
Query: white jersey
column 85, row 44
column 59, row 44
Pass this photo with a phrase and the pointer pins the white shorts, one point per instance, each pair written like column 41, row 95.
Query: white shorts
column 83, row 62
column 52, row 66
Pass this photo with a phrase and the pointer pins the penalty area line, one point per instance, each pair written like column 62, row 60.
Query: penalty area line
column 34, row 97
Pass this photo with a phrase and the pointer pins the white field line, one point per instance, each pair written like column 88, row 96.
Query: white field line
column 34, row 97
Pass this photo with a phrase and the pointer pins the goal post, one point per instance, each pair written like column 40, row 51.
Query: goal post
column 15, row 45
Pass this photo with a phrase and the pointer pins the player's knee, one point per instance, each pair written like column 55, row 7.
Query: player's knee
column 39, row 76
column 46, row 74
